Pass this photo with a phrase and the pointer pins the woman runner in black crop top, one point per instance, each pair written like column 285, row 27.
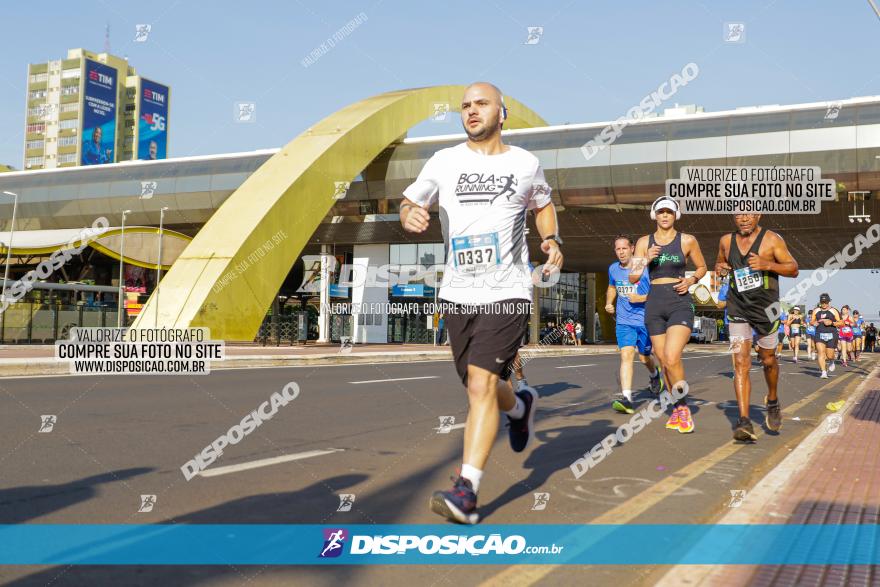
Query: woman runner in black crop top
column 827, row 320
column 669, row 313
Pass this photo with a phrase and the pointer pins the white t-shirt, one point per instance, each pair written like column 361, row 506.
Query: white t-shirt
column 483, row 204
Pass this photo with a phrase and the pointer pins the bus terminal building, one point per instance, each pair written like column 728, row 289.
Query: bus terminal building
column 244, row 235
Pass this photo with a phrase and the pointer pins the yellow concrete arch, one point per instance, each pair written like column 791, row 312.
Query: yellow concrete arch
column 229, row 274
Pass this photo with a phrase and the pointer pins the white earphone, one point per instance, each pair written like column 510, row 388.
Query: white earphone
column 660, row 200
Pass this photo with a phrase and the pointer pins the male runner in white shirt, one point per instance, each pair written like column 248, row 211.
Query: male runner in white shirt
column 484, row 188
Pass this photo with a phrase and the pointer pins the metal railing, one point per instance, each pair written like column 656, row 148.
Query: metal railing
column 287, row 329
column 30, row 322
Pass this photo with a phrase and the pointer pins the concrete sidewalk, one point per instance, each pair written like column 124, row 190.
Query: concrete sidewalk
column 832, row 477
column 17, row 361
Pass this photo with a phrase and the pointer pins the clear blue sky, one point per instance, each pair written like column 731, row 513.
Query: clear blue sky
column 595, row 60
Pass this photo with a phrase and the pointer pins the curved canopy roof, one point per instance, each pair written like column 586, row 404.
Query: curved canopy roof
column 141, row 245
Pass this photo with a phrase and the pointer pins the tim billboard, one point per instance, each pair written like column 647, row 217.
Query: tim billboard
column 153, row 121
column 99, row 114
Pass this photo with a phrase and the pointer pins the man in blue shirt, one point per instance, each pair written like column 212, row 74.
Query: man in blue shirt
column 783, row 332
column 632, row 334
column 93, row 152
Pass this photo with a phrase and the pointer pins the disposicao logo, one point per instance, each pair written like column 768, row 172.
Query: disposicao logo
column 334, row 542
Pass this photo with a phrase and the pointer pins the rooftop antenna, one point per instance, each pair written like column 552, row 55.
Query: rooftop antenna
column 107, row 38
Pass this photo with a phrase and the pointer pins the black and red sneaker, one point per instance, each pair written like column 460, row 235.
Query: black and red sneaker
column 459, row 504
column 522, row 430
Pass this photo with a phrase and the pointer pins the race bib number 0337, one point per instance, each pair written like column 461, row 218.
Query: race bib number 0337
column 475, row 253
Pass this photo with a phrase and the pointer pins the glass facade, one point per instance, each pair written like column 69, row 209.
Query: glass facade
column 634, row 168
column 414, row 328
column 564, row 301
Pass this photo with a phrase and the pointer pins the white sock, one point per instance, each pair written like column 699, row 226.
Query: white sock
column 518, row 410
column 628, row 394
column 473, row 475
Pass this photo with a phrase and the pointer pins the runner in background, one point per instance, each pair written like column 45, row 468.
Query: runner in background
column 858, row 335
column 518, row 372
column 811, row 336
column 722, row 305
column 755, row 258
column 826, row 319
column 846, row 335
column 626, row 301
column 783, row 332
column 795, row 324
column 669, row 313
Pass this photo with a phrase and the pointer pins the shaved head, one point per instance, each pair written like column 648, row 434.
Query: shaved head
column 481, row 111
column 486, row 86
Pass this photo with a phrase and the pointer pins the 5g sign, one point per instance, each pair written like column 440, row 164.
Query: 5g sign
column 158, row 122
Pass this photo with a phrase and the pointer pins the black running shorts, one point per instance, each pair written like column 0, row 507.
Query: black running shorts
column 665, row 307
column 827, row 336
column 487, row 336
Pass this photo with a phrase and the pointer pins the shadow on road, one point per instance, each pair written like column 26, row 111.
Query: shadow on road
column 558, row 449
column 549, row 389
column 20, row 504
column 314, row 504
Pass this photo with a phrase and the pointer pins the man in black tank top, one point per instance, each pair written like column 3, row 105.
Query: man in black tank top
column 752, row 259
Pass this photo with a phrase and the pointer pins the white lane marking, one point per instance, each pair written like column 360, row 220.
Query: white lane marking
column 394, row 379
column 267, row 462
column 573, row 366
column 554, row 408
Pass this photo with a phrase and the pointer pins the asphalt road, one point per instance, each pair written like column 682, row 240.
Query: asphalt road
column 374, row 431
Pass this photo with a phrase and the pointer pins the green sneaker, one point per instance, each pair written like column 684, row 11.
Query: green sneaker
column 623, row 406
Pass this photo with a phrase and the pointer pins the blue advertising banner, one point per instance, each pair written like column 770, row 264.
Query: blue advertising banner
column 416, row 290
column 424, row 544
column 337, row 291
column 99, row 114
column 153, row 121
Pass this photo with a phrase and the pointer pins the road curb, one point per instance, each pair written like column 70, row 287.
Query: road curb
column 42, row 366
column 755, row 508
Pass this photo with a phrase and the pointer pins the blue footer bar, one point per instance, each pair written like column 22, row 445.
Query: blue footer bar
column 289, row 544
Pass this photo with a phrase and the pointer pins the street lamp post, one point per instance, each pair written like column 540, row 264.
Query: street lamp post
column 121, row 305
column 159, row 262
column 9, row 246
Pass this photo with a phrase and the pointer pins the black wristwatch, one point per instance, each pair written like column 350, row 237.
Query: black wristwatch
column 553, row 237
